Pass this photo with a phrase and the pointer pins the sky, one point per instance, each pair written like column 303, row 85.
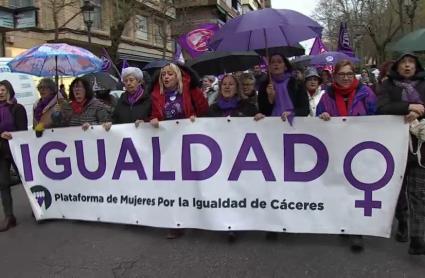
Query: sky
column 303, row 6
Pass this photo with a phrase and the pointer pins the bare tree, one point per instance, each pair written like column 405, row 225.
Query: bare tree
column 375, row 23
column 122, row 11
column 57, row 8
column 411, row 8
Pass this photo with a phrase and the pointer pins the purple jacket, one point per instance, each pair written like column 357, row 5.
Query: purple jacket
column 364, row 103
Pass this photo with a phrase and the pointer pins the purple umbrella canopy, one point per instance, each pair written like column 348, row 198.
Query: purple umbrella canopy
column 265, row 28
column 331, row 58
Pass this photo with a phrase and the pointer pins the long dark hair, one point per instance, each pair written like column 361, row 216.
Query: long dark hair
column 87, row 87
column 9, row 88
column 288, row 65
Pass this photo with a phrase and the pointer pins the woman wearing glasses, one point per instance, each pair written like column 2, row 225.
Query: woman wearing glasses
column 83, row 109
column 347, row 97
column 45, row 106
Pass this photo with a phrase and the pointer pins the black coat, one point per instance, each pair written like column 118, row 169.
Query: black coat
column 297, row 93
column 389, row 95
column 390, row 103
column 21, row 123
column 124, row 112
column 245, row 109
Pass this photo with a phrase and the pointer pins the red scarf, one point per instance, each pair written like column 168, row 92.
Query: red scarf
column 341, row 93
column 78, row 107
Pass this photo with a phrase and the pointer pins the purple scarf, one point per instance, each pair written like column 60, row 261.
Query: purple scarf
column 283, row 102
column 134, row 97
column 409, row 93
column 6, row 118
column 227, row 104
column 39, row 108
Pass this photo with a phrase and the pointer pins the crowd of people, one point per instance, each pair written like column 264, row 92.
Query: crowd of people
column 177, row 92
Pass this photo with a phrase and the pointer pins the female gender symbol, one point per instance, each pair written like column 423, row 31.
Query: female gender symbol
column 368, row 203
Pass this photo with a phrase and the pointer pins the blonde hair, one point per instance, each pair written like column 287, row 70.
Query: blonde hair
column 178, row 73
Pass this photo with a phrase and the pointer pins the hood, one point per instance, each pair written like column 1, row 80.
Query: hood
column 420, row 73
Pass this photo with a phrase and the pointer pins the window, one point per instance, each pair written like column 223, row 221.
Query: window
column 20, row 3
column 97, row 17
column 158, row 34
column 141, row 27
column 236, row 5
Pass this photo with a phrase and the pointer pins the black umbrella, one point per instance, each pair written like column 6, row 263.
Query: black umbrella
column 155, row 65
column 102, row 81
column 287, row 51
column 224, row 61
column 302, row 61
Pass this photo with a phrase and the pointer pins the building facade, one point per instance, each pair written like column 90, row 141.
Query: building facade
column 191, row 13
column 147, row 36
column 252, row 5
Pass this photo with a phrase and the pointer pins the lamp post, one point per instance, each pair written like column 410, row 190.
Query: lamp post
column 88, row 12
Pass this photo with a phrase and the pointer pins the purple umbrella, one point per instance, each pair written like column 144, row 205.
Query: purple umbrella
column 263, row 29
column 331, row 58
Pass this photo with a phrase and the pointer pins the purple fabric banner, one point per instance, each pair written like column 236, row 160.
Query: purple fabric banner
column 318, row 47
column 344, row 41
column 196, row 41
column 178, row 54
column 107, row 62
column 124, row 65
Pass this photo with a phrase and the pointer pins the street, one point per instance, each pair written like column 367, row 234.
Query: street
column 61, row 248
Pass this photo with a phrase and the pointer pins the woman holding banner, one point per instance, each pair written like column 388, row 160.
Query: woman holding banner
column 134, row 105
column 45, row 106
column 230, row 104
column 347, row 97
column 177, row 94
column 229, row 101
column 403, row 93
column 312, row 83
column 282, row 95
column 13, row 117
column 83, row 110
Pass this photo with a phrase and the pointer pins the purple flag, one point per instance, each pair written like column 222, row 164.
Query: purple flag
column 124, row 65
column 344, row 41
column 178, row 54
column 107, row 62
column 318, row 47
column 196, row 41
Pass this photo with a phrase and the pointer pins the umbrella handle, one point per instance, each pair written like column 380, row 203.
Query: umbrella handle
column 267, row 56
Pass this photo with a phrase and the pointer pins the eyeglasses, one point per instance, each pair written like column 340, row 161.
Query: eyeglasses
column 42, row 87
column 345, row 74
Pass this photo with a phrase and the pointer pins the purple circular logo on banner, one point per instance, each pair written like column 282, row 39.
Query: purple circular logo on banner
column 368, row 203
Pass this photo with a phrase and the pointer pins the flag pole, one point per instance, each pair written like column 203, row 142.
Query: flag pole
column 112, row 62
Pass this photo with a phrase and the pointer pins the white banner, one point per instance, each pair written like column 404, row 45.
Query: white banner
column 341, row 176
